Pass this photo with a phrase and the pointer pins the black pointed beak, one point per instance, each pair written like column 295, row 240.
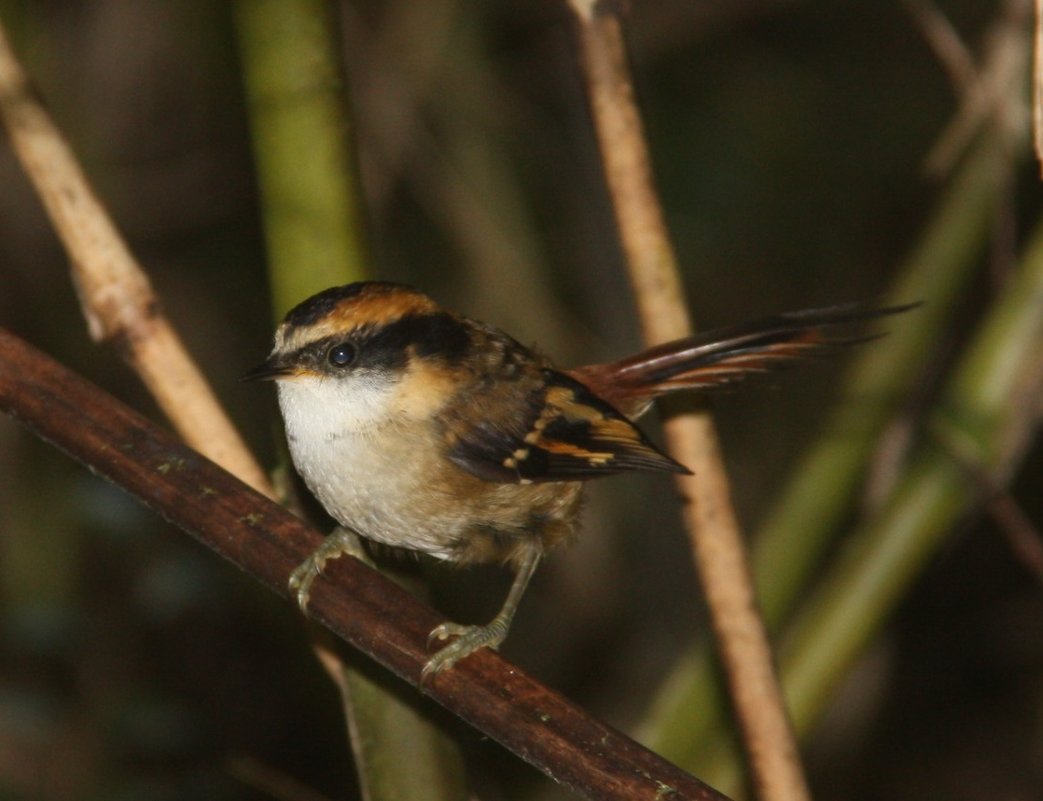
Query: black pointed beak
column 268, row 371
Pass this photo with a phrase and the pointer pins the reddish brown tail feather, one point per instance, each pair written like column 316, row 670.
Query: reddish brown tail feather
column 718, row 357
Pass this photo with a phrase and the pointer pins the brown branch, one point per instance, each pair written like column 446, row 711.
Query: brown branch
column 720, row 554
column 115, row 294
column 356, row 603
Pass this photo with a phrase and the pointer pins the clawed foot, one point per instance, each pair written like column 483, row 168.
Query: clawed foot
column 468, row 640
column 339, row 542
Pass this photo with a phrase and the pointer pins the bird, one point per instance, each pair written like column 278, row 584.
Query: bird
column 425, row 430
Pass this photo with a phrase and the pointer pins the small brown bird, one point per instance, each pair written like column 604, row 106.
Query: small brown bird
column 422, row 429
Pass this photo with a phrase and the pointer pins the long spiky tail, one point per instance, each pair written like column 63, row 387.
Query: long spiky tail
column 725, row 355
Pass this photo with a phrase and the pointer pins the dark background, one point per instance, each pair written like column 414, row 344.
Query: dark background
column 788, row 139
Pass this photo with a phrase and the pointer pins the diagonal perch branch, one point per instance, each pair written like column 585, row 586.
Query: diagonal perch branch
column 365, row 609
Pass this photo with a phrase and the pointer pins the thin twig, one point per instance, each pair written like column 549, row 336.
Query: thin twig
column 945, row 41
column 720, row 555
column 984, row 92
column 357, row 603
column 115, row 294
column 1023, row 536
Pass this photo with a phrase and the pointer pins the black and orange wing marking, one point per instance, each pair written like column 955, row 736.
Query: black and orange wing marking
column 568, row 434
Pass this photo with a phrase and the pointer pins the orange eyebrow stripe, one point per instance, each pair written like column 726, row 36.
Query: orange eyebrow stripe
column 380, row 309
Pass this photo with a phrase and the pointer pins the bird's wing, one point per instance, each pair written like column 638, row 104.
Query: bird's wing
column 566, row 434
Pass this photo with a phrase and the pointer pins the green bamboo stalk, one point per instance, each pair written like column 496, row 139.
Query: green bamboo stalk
column 316, row 237
column 400, row 752
column 984, row 409
column 789, row 544
column 313, row 218
column 990, row 407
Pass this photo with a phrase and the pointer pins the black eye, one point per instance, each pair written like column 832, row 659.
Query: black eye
column 341, row 355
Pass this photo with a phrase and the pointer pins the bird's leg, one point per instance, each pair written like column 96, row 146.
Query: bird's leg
column 470, row 638
column 338, row 542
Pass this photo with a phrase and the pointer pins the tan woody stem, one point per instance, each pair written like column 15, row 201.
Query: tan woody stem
column 115, row 294
column 720, row 555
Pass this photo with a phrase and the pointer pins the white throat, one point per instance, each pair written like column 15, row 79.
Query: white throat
column 321, row 410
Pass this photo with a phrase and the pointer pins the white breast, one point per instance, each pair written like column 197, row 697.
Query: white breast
column 351, row 447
